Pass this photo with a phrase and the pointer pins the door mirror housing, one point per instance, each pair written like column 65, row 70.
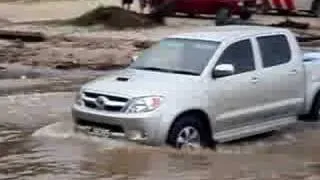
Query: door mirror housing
column 223, row 70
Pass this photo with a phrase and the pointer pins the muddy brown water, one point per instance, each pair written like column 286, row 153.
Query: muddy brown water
column 37, row 142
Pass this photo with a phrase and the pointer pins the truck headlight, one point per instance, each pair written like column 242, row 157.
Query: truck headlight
column 144, row 104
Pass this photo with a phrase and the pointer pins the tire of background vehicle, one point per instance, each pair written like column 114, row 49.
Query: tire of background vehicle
column 316, row 8
column 263, row 8
column 245, row 15
column 283, row 12
column 314, row 114
column 222, row 15
column 191, row 15
column 185, row 122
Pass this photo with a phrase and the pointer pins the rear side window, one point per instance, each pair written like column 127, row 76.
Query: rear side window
column 275, row 50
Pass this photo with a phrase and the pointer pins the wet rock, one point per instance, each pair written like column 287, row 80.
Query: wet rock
column 67, row 65
column 295, row 175
column 69, row 55
column 14, row 59
column 312, row 165
column 3, row 68
column 18, row 44
column 247, row 178
column 314, row 177
column 142, row 44
column 102, row 66
column 26, row 36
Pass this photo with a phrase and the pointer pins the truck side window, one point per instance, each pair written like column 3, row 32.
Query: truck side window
column 274, row 49
column 240, row 55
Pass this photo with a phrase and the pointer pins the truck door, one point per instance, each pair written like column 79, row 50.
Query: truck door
column 281, row 77
column 236, row 96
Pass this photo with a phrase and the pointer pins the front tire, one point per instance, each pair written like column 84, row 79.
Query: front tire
column 191, row 15
column 188, row 132
column 314, row 114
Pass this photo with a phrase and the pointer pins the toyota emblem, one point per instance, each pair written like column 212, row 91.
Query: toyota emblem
column 100, row 102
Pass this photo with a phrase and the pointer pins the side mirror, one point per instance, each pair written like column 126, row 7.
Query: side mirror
column 223, row 70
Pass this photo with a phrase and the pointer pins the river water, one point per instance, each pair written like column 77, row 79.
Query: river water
column 37, row 142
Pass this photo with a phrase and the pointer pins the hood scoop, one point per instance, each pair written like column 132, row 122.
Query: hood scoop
column 124, row 79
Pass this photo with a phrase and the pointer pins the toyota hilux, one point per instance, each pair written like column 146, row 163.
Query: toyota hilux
column 200, row 88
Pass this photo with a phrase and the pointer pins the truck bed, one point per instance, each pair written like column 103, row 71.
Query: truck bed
column 311, row 56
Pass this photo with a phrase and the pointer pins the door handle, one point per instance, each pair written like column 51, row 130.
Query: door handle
column 293, row 72
column 254, row 80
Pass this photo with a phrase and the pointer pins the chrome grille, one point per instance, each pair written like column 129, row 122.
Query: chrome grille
column 112, row 98
column 104, row 102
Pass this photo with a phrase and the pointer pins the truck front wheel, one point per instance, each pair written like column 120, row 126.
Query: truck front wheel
column 188, row 132
column 314, row 114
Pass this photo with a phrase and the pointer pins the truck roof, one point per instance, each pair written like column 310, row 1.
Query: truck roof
column 221, row 33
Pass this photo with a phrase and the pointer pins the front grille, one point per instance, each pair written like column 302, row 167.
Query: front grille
column 111, row 127
column 113, row 108
column 89, row 100
column 111, row 98
column 90, row 104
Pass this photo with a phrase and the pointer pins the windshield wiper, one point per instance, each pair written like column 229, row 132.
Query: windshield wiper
column 167, row 70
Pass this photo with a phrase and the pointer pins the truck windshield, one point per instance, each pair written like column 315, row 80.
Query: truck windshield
column 182, row 56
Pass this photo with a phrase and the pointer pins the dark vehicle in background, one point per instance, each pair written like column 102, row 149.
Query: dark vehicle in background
column 220, row 8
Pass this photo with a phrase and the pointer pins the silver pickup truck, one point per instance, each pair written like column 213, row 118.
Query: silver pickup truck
column 195, row 89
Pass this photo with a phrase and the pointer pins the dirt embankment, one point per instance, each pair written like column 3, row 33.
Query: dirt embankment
column 92, row 52
column 67, row 53
column 113, row 17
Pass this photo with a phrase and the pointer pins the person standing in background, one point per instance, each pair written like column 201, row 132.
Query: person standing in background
column 126, row 2
column 143, row 5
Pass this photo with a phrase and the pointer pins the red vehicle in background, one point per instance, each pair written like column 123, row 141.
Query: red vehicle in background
column 221, row 8
column 290, row 6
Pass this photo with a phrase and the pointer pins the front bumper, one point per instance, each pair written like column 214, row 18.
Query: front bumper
column 140, row 127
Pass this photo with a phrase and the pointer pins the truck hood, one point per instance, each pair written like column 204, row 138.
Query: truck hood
column 136, row 83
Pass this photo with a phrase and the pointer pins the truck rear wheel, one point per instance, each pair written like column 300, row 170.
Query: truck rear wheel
column 188, row 132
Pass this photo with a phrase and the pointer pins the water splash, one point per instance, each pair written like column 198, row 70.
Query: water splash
column 65, row 130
